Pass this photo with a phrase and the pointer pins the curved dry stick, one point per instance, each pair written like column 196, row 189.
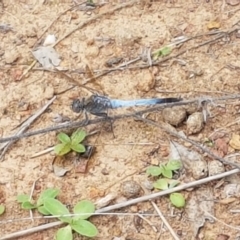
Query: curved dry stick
column 127, row 203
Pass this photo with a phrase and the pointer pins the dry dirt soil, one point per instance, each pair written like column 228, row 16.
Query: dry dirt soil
column 90, row 37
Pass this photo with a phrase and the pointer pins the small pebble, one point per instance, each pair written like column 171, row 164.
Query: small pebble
column 148, row 185
column 195, row 123
column 191, row 108
column 113, row 61
column 11, row 56
column 146, row 82
column 215, row 167
column 130, row 189
column 175, row 115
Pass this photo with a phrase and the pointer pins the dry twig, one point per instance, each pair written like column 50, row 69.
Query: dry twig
column 127, row 203
column 99, row 120
column 165, row 221
column 24, row 126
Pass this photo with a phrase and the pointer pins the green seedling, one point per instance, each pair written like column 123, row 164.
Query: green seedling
column 166, row 171
column 48, row 205
column 70, row 143
column 27, row 204
column 162, row 52
column 2, row 209
column 78, row 223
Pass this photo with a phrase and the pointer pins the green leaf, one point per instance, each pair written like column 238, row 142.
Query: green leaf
column 63, row 138
column 78, row 148
column 84, row 228
column 55, row 207
column 22, row 198
column 154, row 171
column 208, row 142
column 2, row 209
column 161, row 184
column 173, row 183
column 174, row 165
column 162, row 52
column 62, row 148
column 43, row 211
column 177, row 199
column 64, row 233
column 165, row 51
column 84, row 206
column 78, row 136
column 48, row 193
column 27, row 205
column 166, row 172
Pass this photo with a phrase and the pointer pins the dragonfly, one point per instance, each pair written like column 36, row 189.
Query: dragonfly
column 98, row 104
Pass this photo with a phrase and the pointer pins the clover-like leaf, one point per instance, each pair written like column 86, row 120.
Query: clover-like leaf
column 22, row 198
column 177, row 199
column 78, row 148
column 62, row 148
column 48, row 193
column 154, row 171
column 174, row 165
column 84, row 206
column 84, row 228
column 77, row 137
column 64, row 233
column 166, row 172
column 28, row 205
column 2, row 209
column 43, row 211
column 55, row 207
column 63, row 138
column 161, row 184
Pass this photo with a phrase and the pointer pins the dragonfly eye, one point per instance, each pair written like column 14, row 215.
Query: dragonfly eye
column 77, row 106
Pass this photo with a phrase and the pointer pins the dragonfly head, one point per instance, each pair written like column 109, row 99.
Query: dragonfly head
column 77, row 105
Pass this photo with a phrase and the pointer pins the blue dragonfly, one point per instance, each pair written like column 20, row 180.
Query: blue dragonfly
column 98, row 104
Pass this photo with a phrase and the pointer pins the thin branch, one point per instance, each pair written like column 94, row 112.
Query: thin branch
column 62, row 13
column 127, row 203
column 147, row 221
column 81, row 25
column 165, row 221
column 203, row 148
column 99, row 120
column 25, row 126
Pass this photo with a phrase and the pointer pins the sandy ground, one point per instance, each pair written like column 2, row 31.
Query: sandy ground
column 209, row 70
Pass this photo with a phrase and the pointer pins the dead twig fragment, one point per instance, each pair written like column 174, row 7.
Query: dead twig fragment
column 24, row 126
column 81, row 25
column 201, row 147
column 99, row 120
column 165, row 221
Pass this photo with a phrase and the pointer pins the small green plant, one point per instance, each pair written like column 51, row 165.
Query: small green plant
column 166, row 170
column 162, row 52
column 70, row 143
column 27, row 204
column 2, row 209
column 78, row 223
column 48, row 205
